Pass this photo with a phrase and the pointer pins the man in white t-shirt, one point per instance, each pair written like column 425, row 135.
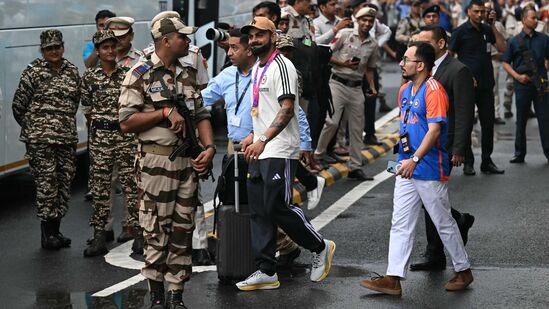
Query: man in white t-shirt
column 273, row 157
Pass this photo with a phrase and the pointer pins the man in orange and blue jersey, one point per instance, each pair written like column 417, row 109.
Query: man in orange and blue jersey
column 423, row 175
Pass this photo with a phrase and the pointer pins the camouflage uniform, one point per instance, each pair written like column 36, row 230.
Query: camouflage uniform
column 45, row 105
column 167, row 190
column 107, row 144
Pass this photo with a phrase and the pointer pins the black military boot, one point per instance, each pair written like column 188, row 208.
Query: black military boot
column 65, row 241
column 156, row 289
column 128, row 233
column 97, row 246
column 138, row 241
column 49, row 239
column 175, row 300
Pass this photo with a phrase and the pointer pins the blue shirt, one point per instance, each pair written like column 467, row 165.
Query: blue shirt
column 428, row 105
column 88, row 50
column 239, row 122
column 538, row 44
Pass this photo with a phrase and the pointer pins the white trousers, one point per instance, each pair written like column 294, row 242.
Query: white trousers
column 409, row 195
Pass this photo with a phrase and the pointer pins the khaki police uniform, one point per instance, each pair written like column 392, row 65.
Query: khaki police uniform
column 299, row 26
column 346, row 88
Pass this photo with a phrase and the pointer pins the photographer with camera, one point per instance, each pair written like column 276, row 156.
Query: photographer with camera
column 327, row 25
column 524, row 59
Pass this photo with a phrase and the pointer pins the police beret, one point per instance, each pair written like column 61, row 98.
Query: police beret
column 435, row 8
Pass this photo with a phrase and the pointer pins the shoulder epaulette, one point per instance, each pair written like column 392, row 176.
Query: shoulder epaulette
column 142, row 69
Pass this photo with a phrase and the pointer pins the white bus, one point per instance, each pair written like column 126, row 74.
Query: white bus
column 21, row 23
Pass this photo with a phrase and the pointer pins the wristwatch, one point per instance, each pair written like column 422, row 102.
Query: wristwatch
column 212, row 146
column 263, row 138
column 415, row 159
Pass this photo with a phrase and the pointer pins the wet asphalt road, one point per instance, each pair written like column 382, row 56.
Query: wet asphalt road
column 508, row 247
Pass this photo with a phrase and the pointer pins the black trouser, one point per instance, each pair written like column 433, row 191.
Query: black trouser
column 524, row 99
column 270, row 200
column 484, row 99
column 435, row 248
column 306, row 178
column 370, row 106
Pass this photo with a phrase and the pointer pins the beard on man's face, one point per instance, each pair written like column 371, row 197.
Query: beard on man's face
column 258, row 50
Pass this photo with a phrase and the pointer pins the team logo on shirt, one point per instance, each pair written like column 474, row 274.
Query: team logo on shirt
column 416, row 103
column 264, row 80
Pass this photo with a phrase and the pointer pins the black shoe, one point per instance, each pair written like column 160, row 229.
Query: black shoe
column 325, row 159
column 464, row 225
column 97, row 246
column 138, row 241
column 490, row 168
column 358, row 174
column 109, row 236
column 337, row 158
column 517, row 159
column 370, row 139
column 157, row 294
column 128, row 233
column 175, row 300
column 49, row 240
column 384, row 108
column 286, row 260
column 201, row 257
column 469, row 170
column 65, row 241
column 508, row 114
column 88, row 196
column 430, row 264
column 499, row 121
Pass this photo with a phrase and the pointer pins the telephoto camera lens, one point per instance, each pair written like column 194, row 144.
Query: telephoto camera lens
column 216, row 34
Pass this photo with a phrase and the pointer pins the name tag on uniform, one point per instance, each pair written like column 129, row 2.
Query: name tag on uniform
column 235, row 121
column 155, row 89
column 489, row 48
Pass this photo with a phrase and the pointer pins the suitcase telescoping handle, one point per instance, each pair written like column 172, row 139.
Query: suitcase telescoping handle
column 237, row 148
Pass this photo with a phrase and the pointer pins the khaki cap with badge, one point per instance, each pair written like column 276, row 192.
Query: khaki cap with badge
column 261, row 23
column 119, row 25
column 51, row 37
column 366, row 11
column 167, row 25
column 103, row 35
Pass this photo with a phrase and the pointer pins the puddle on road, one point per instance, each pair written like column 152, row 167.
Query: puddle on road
column 129, row 298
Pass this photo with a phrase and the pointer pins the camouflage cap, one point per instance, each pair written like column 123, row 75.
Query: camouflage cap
column 283, row 41
column 165, row 14
column 168, row 25
column 119, row 25
column 51, row 37
column 261, row 23
column 103, row 35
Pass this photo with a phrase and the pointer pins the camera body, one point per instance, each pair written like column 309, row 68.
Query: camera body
column 216, row 35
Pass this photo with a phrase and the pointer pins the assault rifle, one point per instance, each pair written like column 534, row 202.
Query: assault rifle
column 530, row 68
column 190, row 146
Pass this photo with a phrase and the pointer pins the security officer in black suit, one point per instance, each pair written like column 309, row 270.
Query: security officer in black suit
column 472, row 42
column 457, row 80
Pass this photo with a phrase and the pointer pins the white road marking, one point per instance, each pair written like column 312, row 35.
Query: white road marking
column 120, row 256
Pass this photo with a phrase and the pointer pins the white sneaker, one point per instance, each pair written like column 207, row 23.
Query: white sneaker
column 259, row 281
column 322, row 262
column 313, row 196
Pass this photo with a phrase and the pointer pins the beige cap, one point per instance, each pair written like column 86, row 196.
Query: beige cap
column 164, row 14
column 366, row 11
column 261, row 23
column 119, row 25
column 168, row 25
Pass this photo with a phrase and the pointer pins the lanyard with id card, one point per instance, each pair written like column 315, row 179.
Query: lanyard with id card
column 404, row 137
column 236, row 120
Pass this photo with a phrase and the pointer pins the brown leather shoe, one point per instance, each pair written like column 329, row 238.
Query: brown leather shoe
column 385, row 284
column 460, row 281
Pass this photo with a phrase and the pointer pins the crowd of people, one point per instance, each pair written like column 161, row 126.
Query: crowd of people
column 300, row 89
